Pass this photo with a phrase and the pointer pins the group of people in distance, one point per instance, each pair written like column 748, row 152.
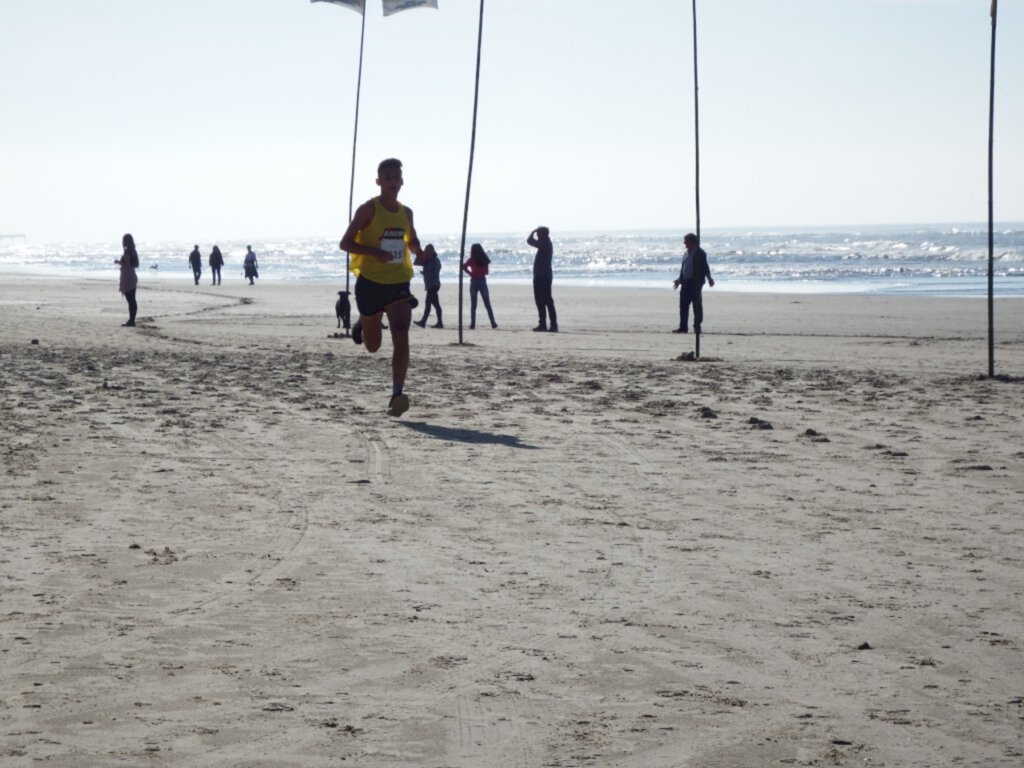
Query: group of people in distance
column 195, row 262
column 380, row 239
column 477, row 266
column 129, row 262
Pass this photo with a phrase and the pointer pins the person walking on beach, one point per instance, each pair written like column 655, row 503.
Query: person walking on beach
column 692, row 274
column 195, row 260
column 251, row 268
column 379, row 239
column 129, row 281
column 477, row 266
column 542, row 278
column 431, row 270
column 216, row 262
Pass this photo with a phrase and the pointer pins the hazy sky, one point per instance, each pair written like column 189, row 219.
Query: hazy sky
column 216, row 119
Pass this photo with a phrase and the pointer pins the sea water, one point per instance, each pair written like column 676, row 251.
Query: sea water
column 921, row 260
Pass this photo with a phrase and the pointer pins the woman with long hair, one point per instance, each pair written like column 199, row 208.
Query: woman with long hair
column 129, row 281
column 216, row 262
column 477, row 266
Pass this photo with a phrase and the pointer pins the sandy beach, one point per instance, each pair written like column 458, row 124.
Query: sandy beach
column 575, row 549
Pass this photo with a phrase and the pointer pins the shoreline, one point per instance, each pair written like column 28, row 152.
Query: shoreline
column 584, row 308
column 1006, row 286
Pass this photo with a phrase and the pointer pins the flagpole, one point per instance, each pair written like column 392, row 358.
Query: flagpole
column 355, row 136
column 389, row 7
column 991, row 254
column 696, row 160
column 696, row 122
column 472, row 152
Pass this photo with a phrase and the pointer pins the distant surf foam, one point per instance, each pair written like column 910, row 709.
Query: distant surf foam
column 913, row 260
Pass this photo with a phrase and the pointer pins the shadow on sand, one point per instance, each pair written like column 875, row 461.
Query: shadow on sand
column 466, row 435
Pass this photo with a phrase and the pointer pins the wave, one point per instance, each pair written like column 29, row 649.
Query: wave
column 904, row 259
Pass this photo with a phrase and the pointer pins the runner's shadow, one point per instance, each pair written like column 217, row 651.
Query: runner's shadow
column 466, row 435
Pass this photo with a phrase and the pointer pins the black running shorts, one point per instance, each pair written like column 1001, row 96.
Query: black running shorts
column 373, row 298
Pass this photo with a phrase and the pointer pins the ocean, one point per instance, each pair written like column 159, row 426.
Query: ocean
column 910, row 259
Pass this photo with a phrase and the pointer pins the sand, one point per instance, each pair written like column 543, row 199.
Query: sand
column 574, row 550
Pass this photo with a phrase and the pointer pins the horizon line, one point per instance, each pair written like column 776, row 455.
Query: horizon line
column 762, row 228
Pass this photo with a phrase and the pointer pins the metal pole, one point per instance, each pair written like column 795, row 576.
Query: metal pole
column 991, row 253
column 355, row 136
column 472, row 152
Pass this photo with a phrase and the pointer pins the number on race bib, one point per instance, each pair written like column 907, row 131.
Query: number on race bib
column 393, row 241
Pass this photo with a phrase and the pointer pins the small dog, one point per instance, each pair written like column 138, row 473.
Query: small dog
column 343, row 310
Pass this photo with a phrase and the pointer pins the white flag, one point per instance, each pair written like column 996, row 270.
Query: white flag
column 394, row 6
column 359, row 6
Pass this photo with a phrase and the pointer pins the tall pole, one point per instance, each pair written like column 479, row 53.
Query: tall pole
column 355, row 136
column 472, row 152
column 696, row 161
column 696, row 122
column 991, row 252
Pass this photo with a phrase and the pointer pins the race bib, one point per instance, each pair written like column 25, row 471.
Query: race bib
column 393, row 241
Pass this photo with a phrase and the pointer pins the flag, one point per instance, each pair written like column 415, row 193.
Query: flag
column 359, row 6
column 394, row 6
column 390, row 6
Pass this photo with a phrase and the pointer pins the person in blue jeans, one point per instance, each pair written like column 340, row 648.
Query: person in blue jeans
column 216, row 262
column 477, row 266
column 430, row 265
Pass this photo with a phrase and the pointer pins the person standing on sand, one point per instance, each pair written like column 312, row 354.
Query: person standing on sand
column 542, row 278
column 216, row 262
column 379, row 239
column 251, row 268
column 477, row 266
column 129, row 281
column 692, row 274
column 431, row 270
column 195, row 260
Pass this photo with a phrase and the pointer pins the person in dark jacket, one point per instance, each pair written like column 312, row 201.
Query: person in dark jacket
column 692, row 274
column 195, row 260
column 542, row 278
column 430, row 266
column 129, row 281
column 249, row 264
column 216, row 262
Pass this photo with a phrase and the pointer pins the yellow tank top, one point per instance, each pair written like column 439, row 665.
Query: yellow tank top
column 390, row 232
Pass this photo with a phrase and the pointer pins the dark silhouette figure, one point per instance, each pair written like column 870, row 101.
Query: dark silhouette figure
column 216, row 262
column 129, row 281
column 343, row 310
column 195, row 260
column 542, row 279
column 251, row 268
column 692, row 274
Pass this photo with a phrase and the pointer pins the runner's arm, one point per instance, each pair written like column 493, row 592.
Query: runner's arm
column 362, row 219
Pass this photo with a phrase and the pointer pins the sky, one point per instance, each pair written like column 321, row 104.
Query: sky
column 206, row 120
